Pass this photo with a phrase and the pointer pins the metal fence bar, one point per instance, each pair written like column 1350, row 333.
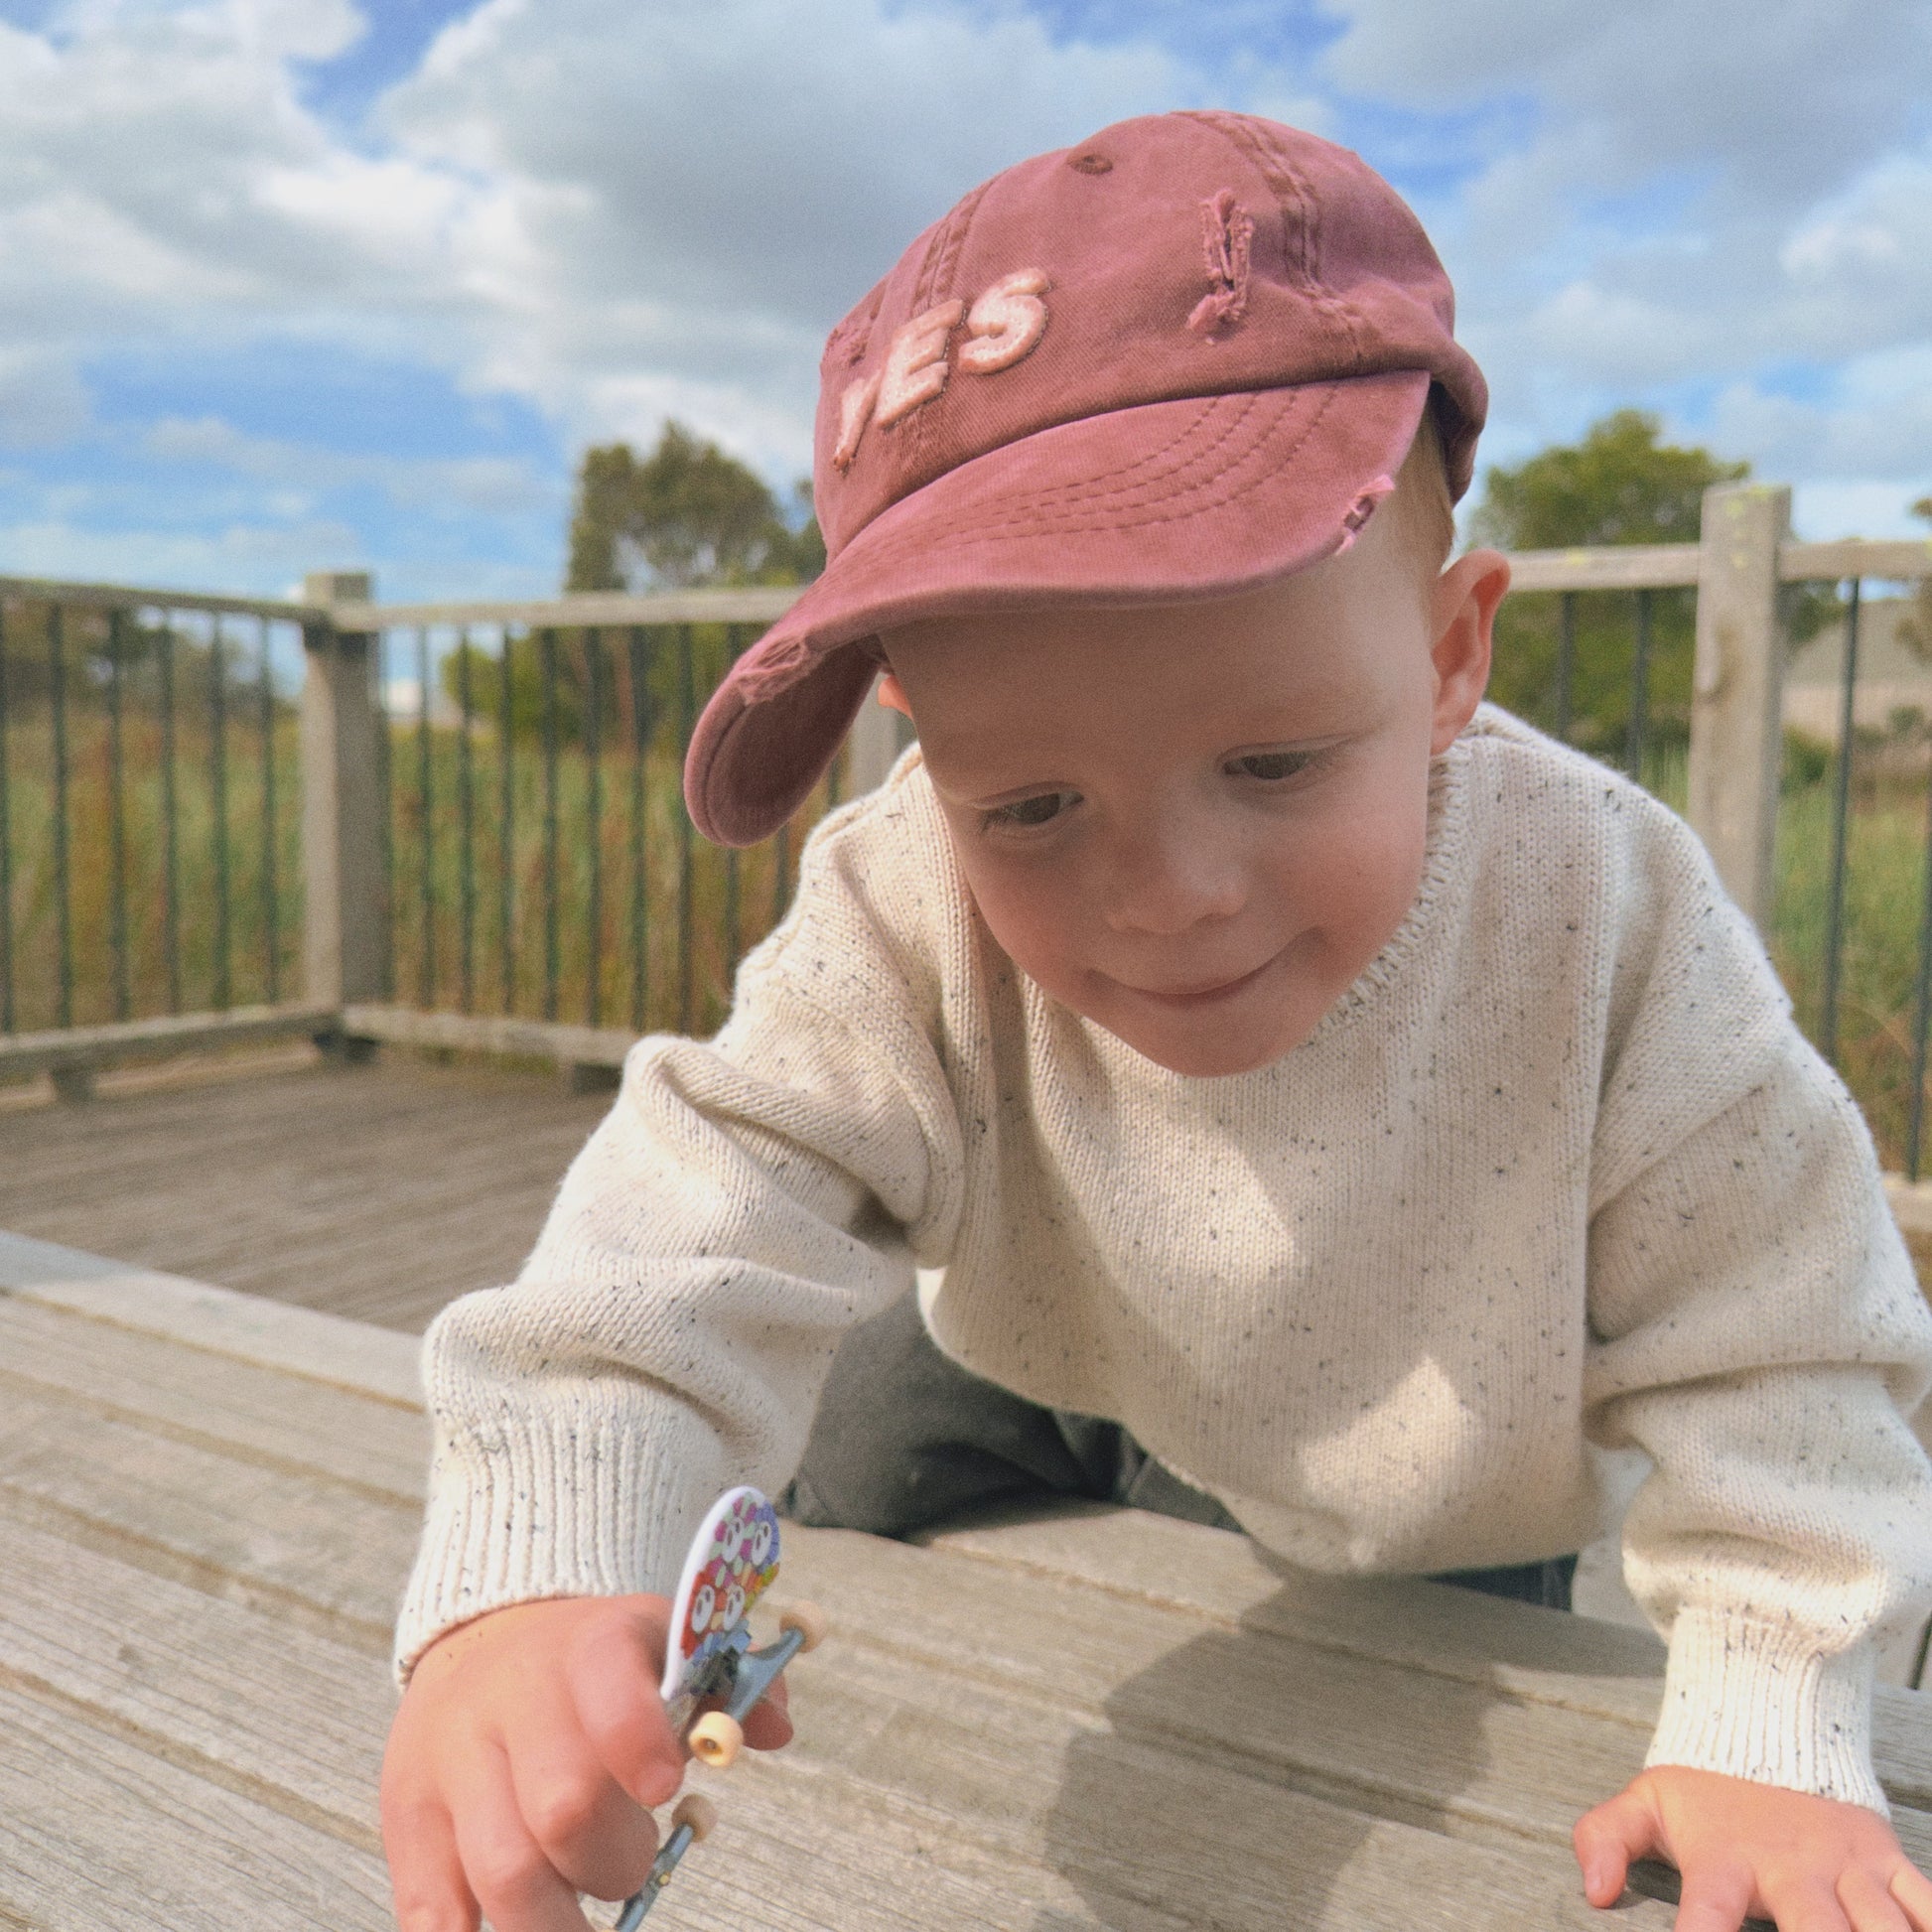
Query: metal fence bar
column 217, row 692
column 552, row 838
column 507, row 830
column 62, row 882
column 1637, row 727
column 639, row 667
column 1841, row 816
column 687, row 718
column 169, row 817
column 734, row 643
column 1922, row 1005
column 385, row 806
column 594, row 830
column 8, row 1017
column 466, row 831
column 426, row 827
column 117, row 817
column 1566, row 660
column 271, row 909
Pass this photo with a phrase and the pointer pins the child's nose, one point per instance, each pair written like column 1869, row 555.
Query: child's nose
column 1173, row 880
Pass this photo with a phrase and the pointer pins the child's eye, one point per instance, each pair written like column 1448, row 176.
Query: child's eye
column 1025, row 813
column 1270, row 767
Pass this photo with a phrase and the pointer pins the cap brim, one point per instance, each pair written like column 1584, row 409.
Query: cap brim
column 1204, row 496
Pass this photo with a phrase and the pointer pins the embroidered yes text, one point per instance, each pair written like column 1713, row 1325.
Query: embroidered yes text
column 1004, row 324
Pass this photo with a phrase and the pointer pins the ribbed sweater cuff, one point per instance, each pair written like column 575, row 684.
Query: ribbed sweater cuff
column 558, row 1506
column 1761, row 1700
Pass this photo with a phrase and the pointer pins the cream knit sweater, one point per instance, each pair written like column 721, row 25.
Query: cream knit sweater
column 1558, row 1171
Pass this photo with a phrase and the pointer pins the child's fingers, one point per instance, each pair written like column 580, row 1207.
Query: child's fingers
column 590, row 1830
column 1608, row 1838
column 516, row 1885
column 425, row 1874
column 1717, row 1899
column 1913, row 1891
column 1868, row 1905
column 612, row 1676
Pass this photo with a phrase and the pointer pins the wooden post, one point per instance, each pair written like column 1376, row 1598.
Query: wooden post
column 342, row 837
column 1737, row 689
column 879, row 736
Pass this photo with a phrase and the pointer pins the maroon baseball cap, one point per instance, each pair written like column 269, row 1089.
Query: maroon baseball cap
column 1179, row 361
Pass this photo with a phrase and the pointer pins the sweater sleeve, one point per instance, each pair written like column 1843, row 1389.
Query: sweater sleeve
column 746, row 1200
column 1757, row 1331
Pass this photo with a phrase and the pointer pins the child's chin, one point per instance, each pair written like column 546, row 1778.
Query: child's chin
column 1216, row 1052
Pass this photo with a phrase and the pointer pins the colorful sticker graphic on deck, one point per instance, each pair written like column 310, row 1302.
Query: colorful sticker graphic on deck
column 733, row 1558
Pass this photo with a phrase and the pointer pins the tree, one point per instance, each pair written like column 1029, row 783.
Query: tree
column 686, row 515
column 1619, row 484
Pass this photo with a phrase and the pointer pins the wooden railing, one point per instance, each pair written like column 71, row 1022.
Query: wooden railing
column 504, row 862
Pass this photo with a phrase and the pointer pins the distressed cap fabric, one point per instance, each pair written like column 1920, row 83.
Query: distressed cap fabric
column 1179, row 361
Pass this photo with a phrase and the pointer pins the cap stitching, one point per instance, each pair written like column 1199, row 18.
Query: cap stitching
column 1140, row 462
column 1080, row 520
column 936, row 274
column 1041, row 519
column 1085, row 496
column 1293, row 192
column 1275, row 164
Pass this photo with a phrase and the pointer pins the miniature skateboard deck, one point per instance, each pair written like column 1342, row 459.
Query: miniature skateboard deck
column 732, row 1560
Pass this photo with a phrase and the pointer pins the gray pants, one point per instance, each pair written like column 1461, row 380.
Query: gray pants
column 905, row 1439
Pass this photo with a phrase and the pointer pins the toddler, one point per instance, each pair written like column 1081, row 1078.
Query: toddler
column 1334, row 1107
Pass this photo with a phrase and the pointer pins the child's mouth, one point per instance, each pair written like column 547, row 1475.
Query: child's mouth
column 1205, row 995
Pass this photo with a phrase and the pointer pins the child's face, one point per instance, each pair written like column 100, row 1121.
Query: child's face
column 1195, row 824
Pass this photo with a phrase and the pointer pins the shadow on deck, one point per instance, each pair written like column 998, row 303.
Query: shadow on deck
column 378, row 1192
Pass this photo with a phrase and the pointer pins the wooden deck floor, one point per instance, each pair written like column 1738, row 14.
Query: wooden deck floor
column 377, row 1192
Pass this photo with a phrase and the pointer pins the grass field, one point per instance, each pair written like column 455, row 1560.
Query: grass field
column 699, row 908
column 698, row 911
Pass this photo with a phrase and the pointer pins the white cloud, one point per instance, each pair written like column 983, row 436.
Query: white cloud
column 602, row 207
column 1780, row 99
column 247, row 557
column 677, row 201
column 621, row 209
column 42, row 399
column 1710, row 193
column 494, row 486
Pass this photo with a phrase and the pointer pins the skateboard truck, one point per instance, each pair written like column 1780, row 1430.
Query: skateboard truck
column 742, row 1676
column 691, row 1822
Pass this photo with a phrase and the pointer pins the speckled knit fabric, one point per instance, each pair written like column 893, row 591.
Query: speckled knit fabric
column 1557, row 1173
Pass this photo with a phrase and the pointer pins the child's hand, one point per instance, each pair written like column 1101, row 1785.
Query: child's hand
column 523, row 1762
column 1812, row 1865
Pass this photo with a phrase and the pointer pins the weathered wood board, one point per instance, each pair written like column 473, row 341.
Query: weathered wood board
column 1104, row 1721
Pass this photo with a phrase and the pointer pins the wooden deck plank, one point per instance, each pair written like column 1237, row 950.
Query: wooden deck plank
column 1132, row 1839
column 101, row 1833
column 912, row 1765
column 292, row 1721
column 1543, row 1656
column 282, row 1421
column 1469, row 1757
column 390, row 1188
column 298, row 1342
column 256, row 1533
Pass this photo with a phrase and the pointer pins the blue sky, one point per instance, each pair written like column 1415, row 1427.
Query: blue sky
column 307, row 284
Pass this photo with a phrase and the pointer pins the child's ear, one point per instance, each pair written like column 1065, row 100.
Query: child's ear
column 1462, row 615
column 892, row 693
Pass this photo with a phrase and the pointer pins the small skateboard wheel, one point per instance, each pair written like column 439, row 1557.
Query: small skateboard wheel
column 697, row 1812
column 808, row 1620
column 717, row 1738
